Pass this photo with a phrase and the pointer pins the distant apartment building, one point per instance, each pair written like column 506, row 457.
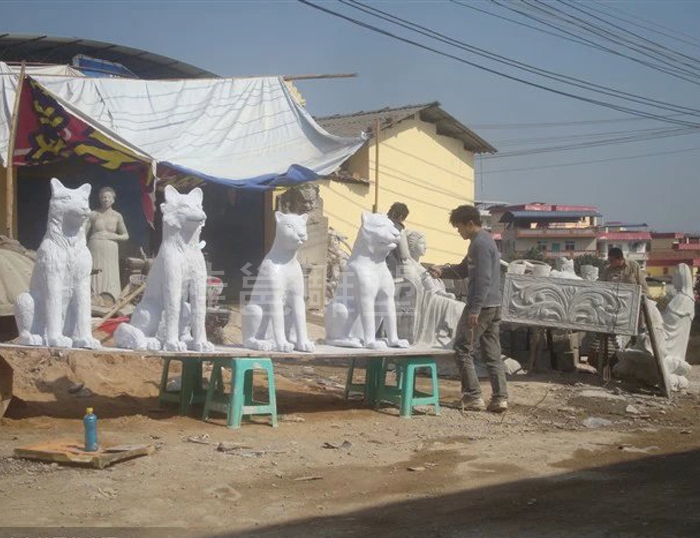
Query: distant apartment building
column 633, row 239
column 556, row 230
column 670, row 249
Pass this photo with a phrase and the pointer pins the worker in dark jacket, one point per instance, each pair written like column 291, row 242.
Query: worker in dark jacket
column 620, row 269
column 398, row 212
column 482, row 316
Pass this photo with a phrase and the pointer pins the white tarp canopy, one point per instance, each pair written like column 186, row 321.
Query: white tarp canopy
column 240, row 132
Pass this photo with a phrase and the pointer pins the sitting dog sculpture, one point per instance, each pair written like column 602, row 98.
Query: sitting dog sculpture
column 364, row 298
column 276, row 308
column 56, row 309
column 171, row 316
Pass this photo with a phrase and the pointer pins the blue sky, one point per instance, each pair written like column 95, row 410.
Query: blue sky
column 256, row 38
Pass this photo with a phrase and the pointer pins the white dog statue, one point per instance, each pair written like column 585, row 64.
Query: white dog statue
column 171, row 316
column 276, row 312
column 364, row 298
column 56, row 311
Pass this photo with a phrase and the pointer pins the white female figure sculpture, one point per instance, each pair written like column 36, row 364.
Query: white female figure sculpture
column 435, row 309
column 672, row 330
column 106, row 228
column 679, row 313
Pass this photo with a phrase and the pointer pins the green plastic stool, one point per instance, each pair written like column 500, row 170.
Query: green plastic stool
column 373, row 374
column 239, row 402
column 404, row 393
column 191, row 389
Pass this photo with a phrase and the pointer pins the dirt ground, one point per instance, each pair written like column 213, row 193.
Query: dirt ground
column 336, row 468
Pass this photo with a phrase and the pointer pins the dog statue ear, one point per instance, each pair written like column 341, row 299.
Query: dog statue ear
column 171, row 194
column 197, row 195
column 85, row 189
column 56, row 186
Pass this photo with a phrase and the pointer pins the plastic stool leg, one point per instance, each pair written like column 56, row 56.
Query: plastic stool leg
column 216, row 382
column 348, row 381
column 407, row 388
column 272, row 396
column 248, row 388
column 436, row 389
column 237, row 400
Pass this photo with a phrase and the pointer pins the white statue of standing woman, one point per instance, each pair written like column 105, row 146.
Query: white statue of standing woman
column 105, row 229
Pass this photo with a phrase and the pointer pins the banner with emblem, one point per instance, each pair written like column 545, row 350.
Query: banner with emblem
column 47, row 131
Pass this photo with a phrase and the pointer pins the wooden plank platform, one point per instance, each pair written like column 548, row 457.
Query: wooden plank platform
column 72, row 452
column 321, row 352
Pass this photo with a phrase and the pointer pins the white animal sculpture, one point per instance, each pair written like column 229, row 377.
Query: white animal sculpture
column 364, row 297
column 172, row 313
column 56, row 309
column 565, row 269
column 672, row 330
column 590, row 272
column 276, row 313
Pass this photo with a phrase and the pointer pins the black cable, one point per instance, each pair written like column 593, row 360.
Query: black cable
column 593, row 144
column 605, row 34
column 596, row 161
column 672, row 72
column 545, row 124
column 661, row 49
column 618, row 10
column 565, row 79
column 575, row 137
column 520, row 23
column 604, row 104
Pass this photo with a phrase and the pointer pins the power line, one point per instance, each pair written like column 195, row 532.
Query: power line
column 577, row 163
column 573, row 81
column 674, row 72
column 591, row 144
column 549, row 124
column 596, row 135
column 520, row 23
column 672, row 36
column 650, row 45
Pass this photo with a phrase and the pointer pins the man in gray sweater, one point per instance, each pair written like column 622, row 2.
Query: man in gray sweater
column 482, row 315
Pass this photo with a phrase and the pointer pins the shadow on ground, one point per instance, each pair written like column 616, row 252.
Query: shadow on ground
column 652, row 497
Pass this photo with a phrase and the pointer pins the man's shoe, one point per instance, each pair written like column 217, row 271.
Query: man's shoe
column 498, row 406
column 473, row 404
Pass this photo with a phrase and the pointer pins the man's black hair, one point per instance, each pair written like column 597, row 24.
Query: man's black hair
column 398, row 211
column 464, row 214
column 616, row 253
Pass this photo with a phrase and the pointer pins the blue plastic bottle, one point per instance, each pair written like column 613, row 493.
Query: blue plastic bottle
column 90, row 422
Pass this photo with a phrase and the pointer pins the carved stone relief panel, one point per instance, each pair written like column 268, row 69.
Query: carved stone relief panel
column 581, row 305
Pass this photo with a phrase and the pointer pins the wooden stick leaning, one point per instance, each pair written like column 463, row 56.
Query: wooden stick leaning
column 121, row 303
column 10, row 175
column 664, row 383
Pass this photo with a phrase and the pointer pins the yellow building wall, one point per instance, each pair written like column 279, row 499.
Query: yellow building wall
column 655, row 271
column 663, row 243
column 432, row 174
column 667, row 270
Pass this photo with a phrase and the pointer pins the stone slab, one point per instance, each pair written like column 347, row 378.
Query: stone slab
column 579, row 305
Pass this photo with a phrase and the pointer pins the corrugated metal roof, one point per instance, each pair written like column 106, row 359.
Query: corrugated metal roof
column 548, row 215
column 61, row 50
column 447, row 125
